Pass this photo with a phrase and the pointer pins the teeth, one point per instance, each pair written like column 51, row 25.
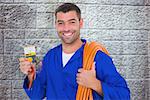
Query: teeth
column 68, row 34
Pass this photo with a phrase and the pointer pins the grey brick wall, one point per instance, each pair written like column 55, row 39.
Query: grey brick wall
column 123, row 26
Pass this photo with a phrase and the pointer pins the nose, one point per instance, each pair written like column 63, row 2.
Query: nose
column 66, row 27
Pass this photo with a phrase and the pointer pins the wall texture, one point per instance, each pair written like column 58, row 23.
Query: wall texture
column 123, row 26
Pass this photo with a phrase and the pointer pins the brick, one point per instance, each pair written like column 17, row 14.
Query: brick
column 149, row 49
column 82, row 8
column 1, row 65
column 117, row 17
column 139, row 89
column 149, row 54
column 103, row 16
column 49, row 1
column 1, row 42
column 147, row 17
column 14, row 34
column 149, row 62
column 132, row 66
column 1, row 59
column 134, row 72
column 41, row 34
column 43, row 45
column 149, row 44
column 11, row 68
column 55, row 6
column 115, row 2
column 6, row 1
column 127, row 47
column 46, row 8
column 149, row 91
column 134, row 17
column 15, row 47
column 115, row 35
column 121, row 2
column 30, row 34
column 5, row 89
column 122, row 71
column 17, row 84
column 45, row 20
column 17, row 16
column 19, row 94
column 138, row 72
column 50, row 7
column 25, row 1
column 108, row 2
column 130, row 60
column 124, row 47
column 121, row 27
column 147, row 2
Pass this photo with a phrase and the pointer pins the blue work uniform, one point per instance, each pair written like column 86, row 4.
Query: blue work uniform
column 56, row 82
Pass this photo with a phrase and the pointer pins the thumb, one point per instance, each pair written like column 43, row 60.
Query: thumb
column 33, row 66
column 32, row 70
column 93, row 66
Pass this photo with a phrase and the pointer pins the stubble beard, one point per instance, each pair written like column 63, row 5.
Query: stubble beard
column 70, row 40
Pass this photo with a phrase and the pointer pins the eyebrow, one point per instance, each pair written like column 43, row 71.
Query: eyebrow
column 72, row 19
column 59, row 20
column 68, row 20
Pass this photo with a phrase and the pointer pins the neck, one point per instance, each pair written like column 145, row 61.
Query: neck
column 70, row 48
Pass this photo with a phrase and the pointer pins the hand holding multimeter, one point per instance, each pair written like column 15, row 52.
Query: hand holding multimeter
column 27, row 63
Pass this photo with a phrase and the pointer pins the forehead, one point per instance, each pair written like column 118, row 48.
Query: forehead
column 67, row 15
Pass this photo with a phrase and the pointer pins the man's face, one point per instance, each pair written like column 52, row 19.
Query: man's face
column 68, row 26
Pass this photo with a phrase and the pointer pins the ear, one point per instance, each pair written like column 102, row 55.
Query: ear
column 55, row 23
column 81, row 22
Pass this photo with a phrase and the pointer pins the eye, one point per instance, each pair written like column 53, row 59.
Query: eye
column 72, row 22
column 60, row 23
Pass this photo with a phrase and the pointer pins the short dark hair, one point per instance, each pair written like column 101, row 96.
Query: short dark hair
column 66, row 7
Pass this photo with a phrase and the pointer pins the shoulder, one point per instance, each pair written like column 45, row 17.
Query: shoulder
column 103, row 56
column 104, row 65
column 104, row 61
column 52, row 51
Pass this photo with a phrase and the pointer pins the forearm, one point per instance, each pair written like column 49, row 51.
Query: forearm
column 31, row 77
column 37, row 90
column 97, row 87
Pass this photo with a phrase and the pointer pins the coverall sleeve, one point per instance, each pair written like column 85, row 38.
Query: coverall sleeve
column 38, row 88
column 114, row 86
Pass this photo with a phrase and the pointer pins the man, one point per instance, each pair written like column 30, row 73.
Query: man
column 62, row 71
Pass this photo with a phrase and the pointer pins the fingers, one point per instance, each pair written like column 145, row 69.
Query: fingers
column 93, row 66
column 80, row 70
column 85, row 76
column 79, row 75
column 25, row 66
column 78, row 78
column 23, row 59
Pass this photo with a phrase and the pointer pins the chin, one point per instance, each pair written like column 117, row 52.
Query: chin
column 68, row 42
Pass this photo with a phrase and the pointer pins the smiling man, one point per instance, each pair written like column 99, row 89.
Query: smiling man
column 62, row 70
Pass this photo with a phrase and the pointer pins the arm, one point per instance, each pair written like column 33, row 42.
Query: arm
column 113, row 85
column 88, row 79
column 38, row 88
column 104, row 79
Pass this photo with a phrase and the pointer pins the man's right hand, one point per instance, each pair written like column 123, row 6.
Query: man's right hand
column 27, row 68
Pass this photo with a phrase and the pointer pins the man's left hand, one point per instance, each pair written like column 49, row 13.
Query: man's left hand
column 86, row 77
